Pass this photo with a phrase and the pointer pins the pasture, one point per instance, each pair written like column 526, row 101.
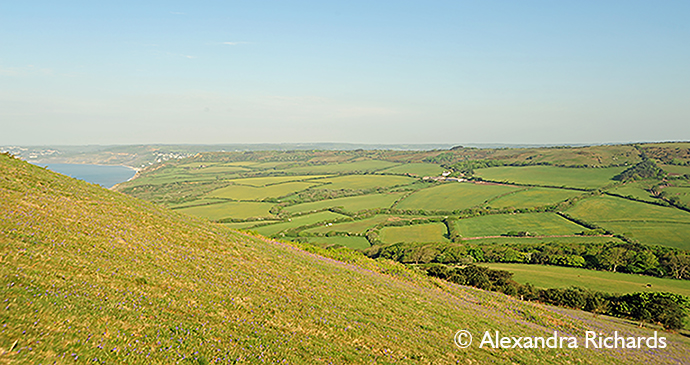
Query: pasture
column 676, row 170
column 532, row 197
column 242, row 225
column 653, row 232
column 419, row 169
column 350, row 204
column 273, row 180
column 452, row 196
column 353, row 242
column 217, row 169
column 572, row 156
column 243, row 192
column 647, row 223
column 304, row 220
column 361, row 182
column 682, row 193
column 614, row 209
column 635, row 189
column 354, row 227
column 545, row 240
column 543, row 276
column 237, row 210
column 551, row 176
column 349, row 167
column 542, row 224
column 430, row 232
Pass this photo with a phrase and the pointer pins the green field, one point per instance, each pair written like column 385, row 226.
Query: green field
column 239, row 210
column 354, row 242
column 350, row 204
column 419, row 169
column 174, row 177
column 198, row 202
column 680, row 192
column 242, row 225
column 272, row 180
column 647, row 223
column 532, row 197
column 431, row 232
column 546, row 240
column 562, row 277
column 298, row 222
column 357, row 182
column 551, row 176
column 453, row 196
column 653, row 233
column 217, row 169
column 359, row 166
column 676, row 170
column 614, row 209
column 542, row 224
column 635, row 189
column 354, row 227
column 243, row 192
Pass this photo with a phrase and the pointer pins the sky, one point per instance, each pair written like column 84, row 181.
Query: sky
column 207, row 72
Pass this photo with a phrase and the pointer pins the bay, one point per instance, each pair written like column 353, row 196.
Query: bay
column 104, row 175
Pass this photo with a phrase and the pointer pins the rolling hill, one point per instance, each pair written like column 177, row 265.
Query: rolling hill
column 90, row 275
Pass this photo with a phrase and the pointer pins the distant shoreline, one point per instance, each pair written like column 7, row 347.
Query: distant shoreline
column 104, row 180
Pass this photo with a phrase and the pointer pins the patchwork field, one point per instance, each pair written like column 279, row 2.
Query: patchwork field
column 610, row 282
column 354, row 242
column 532, row 197
column 217, row 169
column 419, row 169
column 541, row 224
column 239, row 210
column 359, row 166
column 681, row 193
column 676, row 170
column 653, row 233
column 242, row 225
column 356, row 182
column 181, row 289
column 242, row 192
column 453, row 196
column 94, row 276
column 298, row 222
column 614, row 209
column 545, row 240
column 354, row 227
column 432, row 232
column 636, row 189
column 273, row 180
column 647, row 223
column 350, row 204
column 551, row 176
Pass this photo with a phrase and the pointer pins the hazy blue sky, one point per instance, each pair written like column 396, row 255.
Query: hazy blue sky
column 123, row 72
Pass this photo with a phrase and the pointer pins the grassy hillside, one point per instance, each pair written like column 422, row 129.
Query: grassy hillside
column 90, row 275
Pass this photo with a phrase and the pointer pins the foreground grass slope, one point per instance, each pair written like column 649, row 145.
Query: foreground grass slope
column 90, row 275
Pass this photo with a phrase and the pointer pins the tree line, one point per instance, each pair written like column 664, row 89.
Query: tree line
column 611, row 256
column 667, row 309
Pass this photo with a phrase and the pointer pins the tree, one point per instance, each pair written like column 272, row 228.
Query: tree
column 678, row 264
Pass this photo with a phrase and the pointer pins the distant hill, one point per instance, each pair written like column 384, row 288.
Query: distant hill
column 91, row 275
column 140, row 156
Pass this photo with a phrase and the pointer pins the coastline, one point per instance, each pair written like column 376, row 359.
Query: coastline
column 82, row 177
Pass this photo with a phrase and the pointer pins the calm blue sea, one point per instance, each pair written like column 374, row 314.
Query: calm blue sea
column 103, row 175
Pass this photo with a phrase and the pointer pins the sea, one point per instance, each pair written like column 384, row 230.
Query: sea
column 103, row 175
